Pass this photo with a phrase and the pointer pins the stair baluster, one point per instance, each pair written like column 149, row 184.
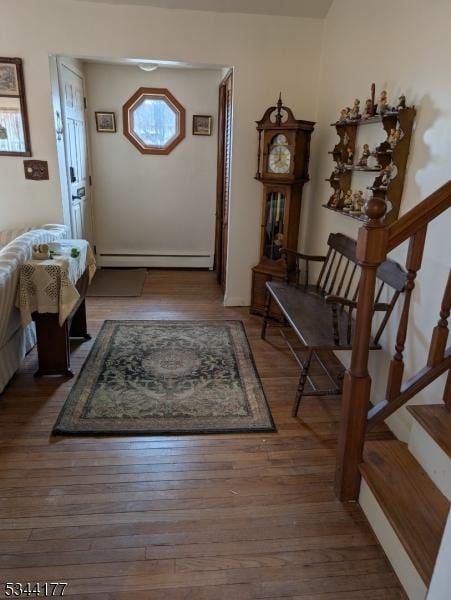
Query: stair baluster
column 413, row 265
column 440, row 333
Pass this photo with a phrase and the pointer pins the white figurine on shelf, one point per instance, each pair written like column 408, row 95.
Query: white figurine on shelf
column 368, row 111
column 335, row 199
column 382, row 106
column 347, row 203
column 344, row 114
column 401, row 102
column 399, row 135
column 358, row 202
column 395, row 136
column 363, row 161
column 386, row 175
column 392, row 138
column 355, row 111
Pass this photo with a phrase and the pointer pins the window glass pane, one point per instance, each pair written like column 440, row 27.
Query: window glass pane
column 275, row 213
column 11, row 126
column 154, row 122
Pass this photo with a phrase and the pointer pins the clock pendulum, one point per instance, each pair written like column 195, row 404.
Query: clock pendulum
column 282, row 167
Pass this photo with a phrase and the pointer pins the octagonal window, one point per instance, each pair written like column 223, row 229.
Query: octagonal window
column 154, row 121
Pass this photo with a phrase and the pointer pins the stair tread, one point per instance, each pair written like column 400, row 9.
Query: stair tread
column 436, row 420
column 414, row 506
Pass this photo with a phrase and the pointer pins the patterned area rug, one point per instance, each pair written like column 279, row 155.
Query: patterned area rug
column 167, row 377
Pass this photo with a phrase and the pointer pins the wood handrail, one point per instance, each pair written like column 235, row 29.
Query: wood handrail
column 419, row 216
column 375, row 241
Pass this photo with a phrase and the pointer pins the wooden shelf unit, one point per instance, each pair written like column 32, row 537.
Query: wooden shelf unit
column 397, row 156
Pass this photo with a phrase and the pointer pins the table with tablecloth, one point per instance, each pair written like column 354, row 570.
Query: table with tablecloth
column 51, row 292
column 48, row 286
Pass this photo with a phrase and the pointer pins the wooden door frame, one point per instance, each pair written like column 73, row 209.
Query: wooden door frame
column 220, row 261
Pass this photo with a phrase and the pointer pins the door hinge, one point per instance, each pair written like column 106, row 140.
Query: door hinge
column 84, row 102
column 90, row 180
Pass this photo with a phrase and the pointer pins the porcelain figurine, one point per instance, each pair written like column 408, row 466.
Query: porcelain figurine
column 395, row 136
column 349, row 156
column 399, row 135
column 392, row 138
column 358, row 202
column 355, row 111
column 363, row 161
column 386, row 175
column 344, row 114
column 347, row 203
column 401, row 102
column 368, row 111
column 40, row 252
column 383, row 102
column 335, row 199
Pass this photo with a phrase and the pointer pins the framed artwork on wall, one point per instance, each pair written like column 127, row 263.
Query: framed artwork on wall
column 14, row 129
column 202, row 124
column 9, row 80
column 105, row 122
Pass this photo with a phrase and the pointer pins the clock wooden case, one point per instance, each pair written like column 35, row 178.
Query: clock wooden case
column 282, row 167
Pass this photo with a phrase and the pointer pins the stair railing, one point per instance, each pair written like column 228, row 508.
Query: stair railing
column 374, row 242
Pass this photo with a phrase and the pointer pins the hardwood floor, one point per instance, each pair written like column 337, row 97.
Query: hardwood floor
column 221, row 517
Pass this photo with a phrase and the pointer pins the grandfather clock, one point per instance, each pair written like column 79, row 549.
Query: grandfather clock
column 283, row 157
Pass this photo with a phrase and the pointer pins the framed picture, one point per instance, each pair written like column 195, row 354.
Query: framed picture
column 14, row 129
column 106, row 122
column 9, row 80
column 202, row 124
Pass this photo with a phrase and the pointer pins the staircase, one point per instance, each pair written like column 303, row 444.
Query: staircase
column 403, row 494
column 404, row 489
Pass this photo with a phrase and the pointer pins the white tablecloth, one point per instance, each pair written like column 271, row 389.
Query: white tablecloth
column 48, row 286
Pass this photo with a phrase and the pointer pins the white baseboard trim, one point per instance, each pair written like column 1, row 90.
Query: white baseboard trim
column 169, row 261
column 398, row 557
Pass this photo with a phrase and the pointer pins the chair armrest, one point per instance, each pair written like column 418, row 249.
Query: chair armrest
column 303, row 256
column 339, row 300
column 285, row 252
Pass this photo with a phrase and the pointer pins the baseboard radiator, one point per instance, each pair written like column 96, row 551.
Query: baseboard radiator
column 152, row 259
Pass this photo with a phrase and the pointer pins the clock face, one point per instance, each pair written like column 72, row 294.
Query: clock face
column 279, row 157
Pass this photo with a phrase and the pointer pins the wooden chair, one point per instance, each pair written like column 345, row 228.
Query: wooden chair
column 321, row 315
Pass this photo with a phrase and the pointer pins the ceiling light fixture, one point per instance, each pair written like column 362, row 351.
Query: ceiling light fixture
column 148, row 67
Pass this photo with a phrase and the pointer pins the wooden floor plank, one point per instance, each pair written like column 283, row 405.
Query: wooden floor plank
column 242, row 516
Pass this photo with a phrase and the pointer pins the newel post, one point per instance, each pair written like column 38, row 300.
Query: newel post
column 371, row 252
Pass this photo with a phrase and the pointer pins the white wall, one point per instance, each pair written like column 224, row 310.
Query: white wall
column 270, row 54
column 402, row 46
column 144, row 203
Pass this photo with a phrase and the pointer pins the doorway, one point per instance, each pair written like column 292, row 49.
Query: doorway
column 224, row 174
column 69, row 105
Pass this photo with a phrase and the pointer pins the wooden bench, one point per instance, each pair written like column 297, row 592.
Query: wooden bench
column 321, row 315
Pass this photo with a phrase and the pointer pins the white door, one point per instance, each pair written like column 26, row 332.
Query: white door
column 74, row 122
